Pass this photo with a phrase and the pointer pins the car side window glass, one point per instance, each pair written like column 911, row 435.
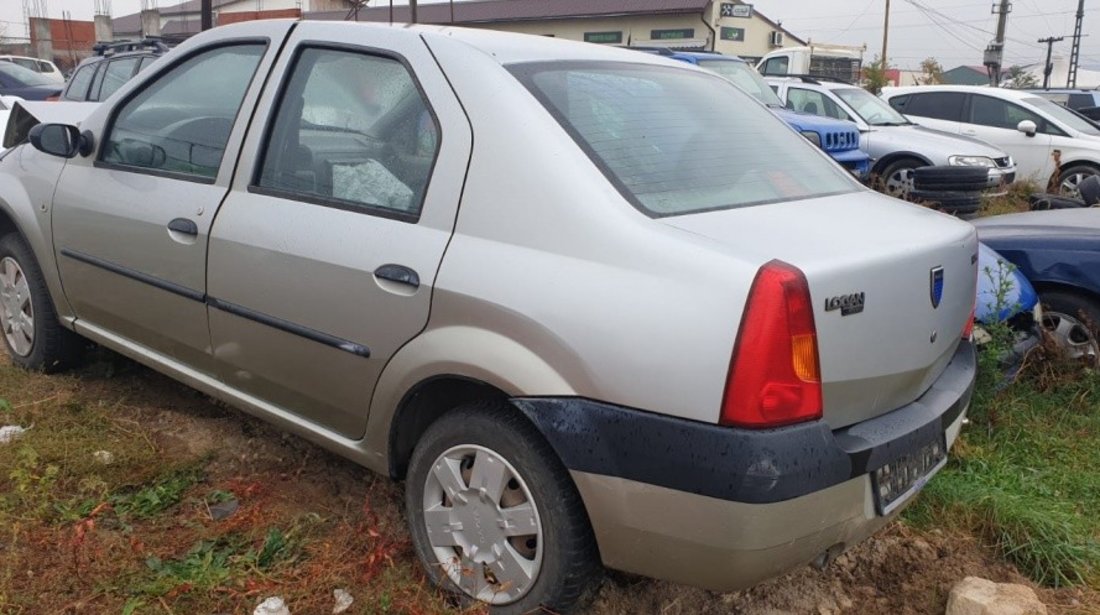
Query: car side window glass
column 181, row 122
column 352, row 130
column 997, row 113
column 78, row 85
column 1080, row 101
column 899, row 103
column 937, row 105
column 814, row 103
column 777, row 66
column 145, row 62
column 97, row 82
column 118, row 72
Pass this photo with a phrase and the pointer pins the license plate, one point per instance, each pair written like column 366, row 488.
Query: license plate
column 901, row 479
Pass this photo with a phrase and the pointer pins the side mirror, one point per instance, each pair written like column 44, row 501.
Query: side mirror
column 1027, row 127
column 61, row 140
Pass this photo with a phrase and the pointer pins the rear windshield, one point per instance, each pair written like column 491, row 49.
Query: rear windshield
column 679, row 141
column 24, row 77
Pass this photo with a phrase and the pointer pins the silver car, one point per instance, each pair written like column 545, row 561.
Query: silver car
column 587, row 314
column 896, row 144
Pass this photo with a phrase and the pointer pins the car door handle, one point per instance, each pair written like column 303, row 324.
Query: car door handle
column 184, row 226
column 398, row 273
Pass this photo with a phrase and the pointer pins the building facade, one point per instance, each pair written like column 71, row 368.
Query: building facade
column 728, row 27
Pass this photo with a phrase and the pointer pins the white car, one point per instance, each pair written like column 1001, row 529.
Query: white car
column 1026, row 126
column 43, row 67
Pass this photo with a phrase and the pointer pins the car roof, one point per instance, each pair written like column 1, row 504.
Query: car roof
column 1005, row 93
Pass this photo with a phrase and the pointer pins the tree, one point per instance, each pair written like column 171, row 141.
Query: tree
column 931, row 72
column 1019, row 78
column 875, row 77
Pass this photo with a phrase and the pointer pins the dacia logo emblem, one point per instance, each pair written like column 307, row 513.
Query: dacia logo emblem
column 935, row 286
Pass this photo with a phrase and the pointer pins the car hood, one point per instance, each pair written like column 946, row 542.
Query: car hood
column 26, row 115
column 1061, row 224
column 926, row 140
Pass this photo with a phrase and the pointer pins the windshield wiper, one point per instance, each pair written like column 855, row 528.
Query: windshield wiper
column 892, row 123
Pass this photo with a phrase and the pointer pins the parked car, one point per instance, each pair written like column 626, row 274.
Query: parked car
column 823, row 61
column 27, row 84
column 1056, row 251
column 1085, row 102
column 1028, row 127
column 1006, row 298
column 45, row 68
column 113, row 64
column 839, row 139
column 622, row 324
column 896, row 145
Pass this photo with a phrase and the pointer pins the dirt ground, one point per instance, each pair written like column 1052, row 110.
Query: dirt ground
column 282, row 477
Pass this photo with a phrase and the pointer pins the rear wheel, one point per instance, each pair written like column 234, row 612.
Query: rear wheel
column 1071, row 320
column 1073, row 175
column 494, row 516
column 29, row 325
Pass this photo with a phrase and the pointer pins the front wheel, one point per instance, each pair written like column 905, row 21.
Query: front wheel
column 29, row 325
column 1071, row 321
column 896, row 180
column 494, row 516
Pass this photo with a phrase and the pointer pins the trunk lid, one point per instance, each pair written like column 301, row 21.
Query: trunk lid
column 865, row 246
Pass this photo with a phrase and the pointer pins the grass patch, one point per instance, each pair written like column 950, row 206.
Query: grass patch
column 1026, row 474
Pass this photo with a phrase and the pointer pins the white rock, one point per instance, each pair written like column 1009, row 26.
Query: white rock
column 104, row 457
column 272, row 606
column 343, row 601
column 10, row 432
column 976, row 596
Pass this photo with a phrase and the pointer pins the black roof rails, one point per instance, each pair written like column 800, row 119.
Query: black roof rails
column 150, row 42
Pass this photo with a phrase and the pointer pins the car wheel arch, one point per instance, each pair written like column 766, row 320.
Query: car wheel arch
column 886, row 161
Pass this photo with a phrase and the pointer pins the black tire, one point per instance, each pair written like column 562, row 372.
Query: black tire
column 1044, row 202
column 951, row 179
column 1081, row 308
column 961, row 203
column 885, row 180
column 53, row 347
column 570, row 569
column 1072, row 174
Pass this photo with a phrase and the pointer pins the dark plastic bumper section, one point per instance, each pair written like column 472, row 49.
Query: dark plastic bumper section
column 743, row 465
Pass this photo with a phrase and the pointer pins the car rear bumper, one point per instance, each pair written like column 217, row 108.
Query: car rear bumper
column 725, row 508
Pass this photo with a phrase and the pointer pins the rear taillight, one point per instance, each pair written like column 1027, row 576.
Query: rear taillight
column 968, row 330
column 774, row 378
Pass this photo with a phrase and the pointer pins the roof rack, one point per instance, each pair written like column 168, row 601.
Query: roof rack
column 150, row 42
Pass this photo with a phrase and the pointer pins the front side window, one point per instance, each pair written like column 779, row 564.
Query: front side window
column 871, row 108
column 78, row 85
column 181, row 122
column 937, row 105
column 666, row 139
column 118, row 72
column 352, row 130
column 814, row 103
column 1063, row 115
column 777, row 66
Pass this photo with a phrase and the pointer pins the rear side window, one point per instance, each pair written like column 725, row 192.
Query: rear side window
column 1080, row 101
column 180, row 124
column 937, row 105
column 78, row 85
column 666, row 139
column 118, row 73
column 813, row 102
column 352, row 130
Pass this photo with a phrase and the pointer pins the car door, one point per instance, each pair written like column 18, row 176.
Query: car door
column 938, row 110
column 324, row 253
column 995, row 120
column 131, row 222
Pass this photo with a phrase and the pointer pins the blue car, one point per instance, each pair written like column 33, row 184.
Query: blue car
column 1059, row 253
column 838, row 138
column 1006, row 296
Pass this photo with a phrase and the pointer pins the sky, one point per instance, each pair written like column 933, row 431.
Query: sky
column 952, row 31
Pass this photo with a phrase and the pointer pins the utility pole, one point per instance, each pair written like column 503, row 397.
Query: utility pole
column 1048, row 67
column 1075, row 55
column 885, row 35
column 412, row 11
column 995, row 52
column 207, row 14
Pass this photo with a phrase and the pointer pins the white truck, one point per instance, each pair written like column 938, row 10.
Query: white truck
column 835, row 62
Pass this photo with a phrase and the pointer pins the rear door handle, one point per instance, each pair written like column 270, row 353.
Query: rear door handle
column 398, row 273
column 184, row 226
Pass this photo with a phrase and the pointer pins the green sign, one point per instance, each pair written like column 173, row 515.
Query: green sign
column 664, row 35
column 733, row 34
column 607, row 38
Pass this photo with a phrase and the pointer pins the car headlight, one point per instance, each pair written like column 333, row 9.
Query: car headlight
column 812, row 136
column 971, row 161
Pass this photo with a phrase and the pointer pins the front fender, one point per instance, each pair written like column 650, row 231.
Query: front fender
column 27, row 181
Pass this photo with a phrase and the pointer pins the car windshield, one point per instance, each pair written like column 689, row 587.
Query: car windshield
column 745, row 77
column 24, row 77
column 667, row 140
column 1063, row 115
column 871, row 108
